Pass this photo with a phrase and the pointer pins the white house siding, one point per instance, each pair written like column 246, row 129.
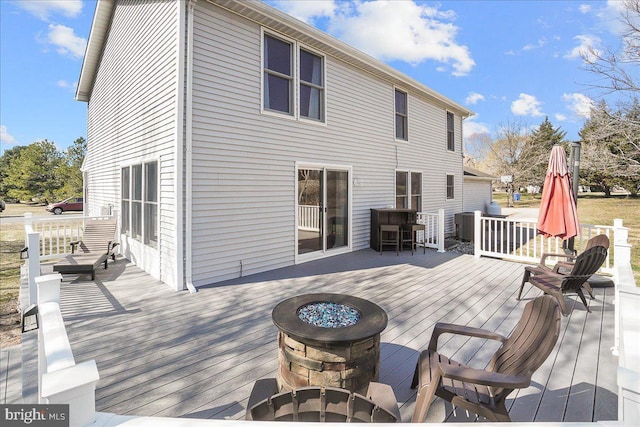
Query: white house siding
column 132, row 118
column 477, row 194
column 244, row 161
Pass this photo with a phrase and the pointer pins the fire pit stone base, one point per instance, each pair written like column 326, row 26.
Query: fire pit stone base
column 351, row 365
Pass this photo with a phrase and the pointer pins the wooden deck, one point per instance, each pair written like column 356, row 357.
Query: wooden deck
column 177, row 354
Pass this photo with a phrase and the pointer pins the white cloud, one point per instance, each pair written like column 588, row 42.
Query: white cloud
column 560, row 117
column 526, row 105
column 67, row 85
column 588, row 46
column 473, row 98
column 537, row 45
column 402, row 30
column 45, row 8
column 584, row 8
column 307, row 10
column 471, row 127
column 579, row 104
column 5, row 137
column 66, row 41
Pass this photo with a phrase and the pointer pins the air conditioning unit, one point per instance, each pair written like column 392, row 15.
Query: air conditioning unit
column 464, row 225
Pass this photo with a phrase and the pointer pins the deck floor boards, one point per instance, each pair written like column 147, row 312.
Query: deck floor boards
column 167, row 353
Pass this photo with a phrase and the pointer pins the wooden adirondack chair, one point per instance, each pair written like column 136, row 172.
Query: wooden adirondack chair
column 95, row 248
column 557, row 284
column 484, row 392
column 564, row 267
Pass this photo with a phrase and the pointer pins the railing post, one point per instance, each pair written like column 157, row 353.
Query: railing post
column 32, row 242
column 477, row 233
column 440, row 230
column 621, row 246
column 621, row 257
column 47, row 290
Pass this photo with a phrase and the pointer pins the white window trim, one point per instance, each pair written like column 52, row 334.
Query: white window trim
column 447, row 131
column 289, row 116
column 128, row 164
column 322, row 122
column 446, row 193
column 301, row 258
column 406, row 92
column 409, row 194
column 295, row 115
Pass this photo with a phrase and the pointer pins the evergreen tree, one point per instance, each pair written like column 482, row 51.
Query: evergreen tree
column 69, row 173
column 5, row 164
column 32, row 174
column 538, row 148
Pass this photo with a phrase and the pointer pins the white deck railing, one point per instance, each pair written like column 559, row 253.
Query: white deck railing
column 309, row 217
column 433, row 236
column 517, row 239
column 60, row 379
column 56, row 233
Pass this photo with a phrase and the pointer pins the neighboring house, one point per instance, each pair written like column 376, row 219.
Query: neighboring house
column 477, row 190
column 232, row 139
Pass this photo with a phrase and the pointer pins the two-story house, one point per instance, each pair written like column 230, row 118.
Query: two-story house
column 230, row 138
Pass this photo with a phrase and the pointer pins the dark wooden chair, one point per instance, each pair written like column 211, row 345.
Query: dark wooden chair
column 95, row 248
column 389, row 235
column 564, row 267
column 321, row 404
column 558, row 284
column 410, row 235
column 484, row 391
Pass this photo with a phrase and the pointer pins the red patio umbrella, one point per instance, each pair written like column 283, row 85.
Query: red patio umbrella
column 558, row 216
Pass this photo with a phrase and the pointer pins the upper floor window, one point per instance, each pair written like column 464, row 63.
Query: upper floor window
column 311, row 86
column 402, row 128
column 450, row 186
column 293, row 79
column 278, row 75
column 451, row 142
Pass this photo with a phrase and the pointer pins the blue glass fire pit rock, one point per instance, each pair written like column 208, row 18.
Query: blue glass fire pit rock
column 329, row 314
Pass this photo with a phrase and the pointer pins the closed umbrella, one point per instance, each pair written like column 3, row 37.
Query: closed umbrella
column 558, row 216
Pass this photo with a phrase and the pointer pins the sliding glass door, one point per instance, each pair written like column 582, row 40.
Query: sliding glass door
column 323, row 222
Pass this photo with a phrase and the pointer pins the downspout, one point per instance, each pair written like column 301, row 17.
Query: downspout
column 178, row 276
column 189, row 151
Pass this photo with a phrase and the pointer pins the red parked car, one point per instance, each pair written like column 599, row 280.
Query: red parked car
column 70, row 204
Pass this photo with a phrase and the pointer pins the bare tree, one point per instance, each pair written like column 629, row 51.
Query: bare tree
column 512, row 153
column 617, row 70
column 611, row 138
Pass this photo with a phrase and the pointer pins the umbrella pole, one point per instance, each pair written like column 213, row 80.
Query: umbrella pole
column 574, row 162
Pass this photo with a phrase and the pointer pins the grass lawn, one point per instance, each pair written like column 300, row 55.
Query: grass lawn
column 594, row 208
column 11, row 242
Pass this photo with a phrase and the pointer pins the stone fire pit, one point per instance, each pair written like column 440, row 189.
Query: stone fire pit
column 328, row 340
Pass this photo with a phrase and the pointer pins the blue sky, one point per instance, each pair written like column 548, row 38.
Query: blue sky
column 505, row 60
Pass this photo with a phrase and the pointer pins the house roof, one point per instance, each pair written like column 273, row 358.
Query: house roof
column 272, row 18
column 475, row 174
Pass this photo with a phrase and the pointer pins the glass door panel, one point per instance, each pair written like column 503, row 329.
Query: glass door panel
column 323, row 210
column 337, row 209
column 310, row 210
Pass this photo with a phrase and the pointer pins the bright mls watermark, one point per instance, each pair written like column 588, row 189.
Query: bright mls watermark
column 35, row 415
